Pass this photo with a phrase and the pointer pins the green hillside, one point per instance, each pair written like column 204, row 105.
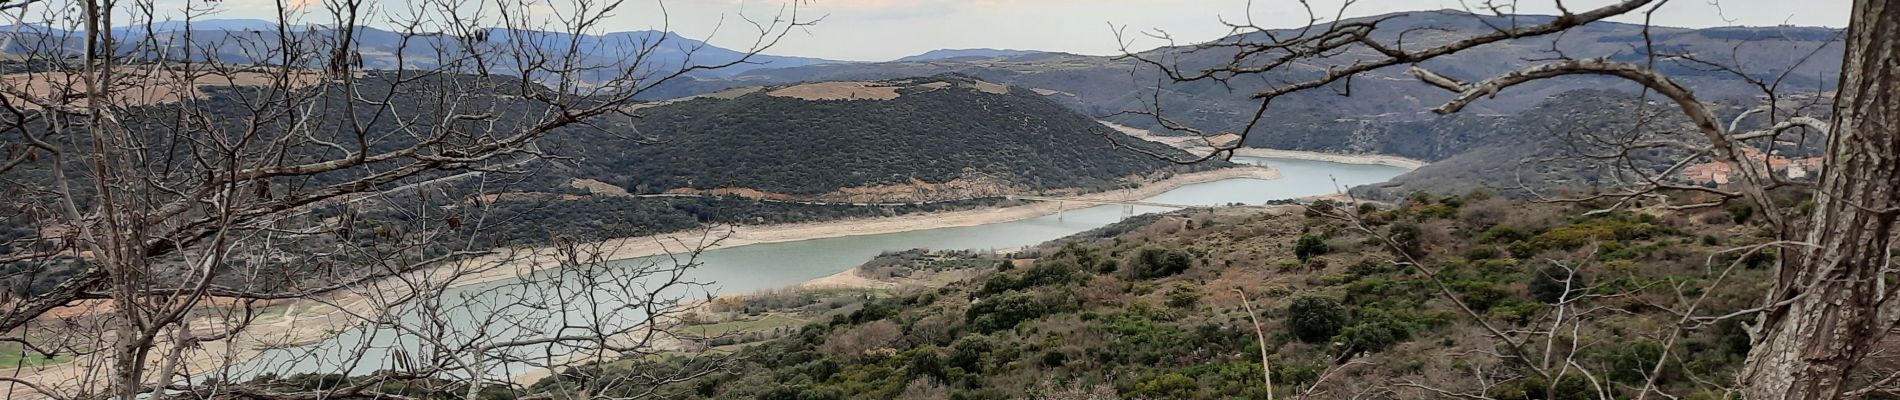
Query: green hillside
column 1148, row 308
column 934, row 131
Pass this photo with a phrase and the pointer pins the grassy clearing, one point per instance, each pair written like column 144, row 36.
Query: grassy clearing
column 12, row 355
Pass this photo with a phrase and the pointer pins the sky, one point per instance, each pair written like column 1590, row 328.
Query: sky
column 877, row 30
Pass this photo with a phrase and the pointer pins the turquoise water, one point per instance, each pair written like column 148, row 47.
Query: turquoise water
column 472, row 313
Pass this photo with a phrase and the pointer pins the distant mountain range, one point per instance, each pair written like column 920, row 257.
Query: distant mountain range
column 1382, row 103
column 1103, row 85
column 245, row 41
column 963, row 53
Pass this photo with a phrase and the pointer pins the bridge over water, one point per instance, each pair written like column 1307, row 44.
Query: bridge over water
column 1100, row 201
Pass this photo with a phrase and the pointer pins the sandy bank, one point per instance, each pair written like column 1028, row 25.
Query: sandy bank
column 849, row 278
column 1202, row 145
column 1373, row 159
column 515, row 263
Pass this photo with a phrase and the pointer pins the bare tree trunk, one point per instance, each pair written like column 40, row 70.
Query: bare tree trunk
column 1808, row 349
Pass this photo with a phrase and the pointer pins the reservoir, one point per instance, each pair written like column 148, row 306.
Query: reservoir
column 470, row 313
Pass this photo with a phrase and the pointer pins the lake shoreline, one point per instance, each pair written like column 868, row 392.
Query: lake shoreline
column 310, row 321
column 517, row 262
column 1408, row 164
column 1203, row 145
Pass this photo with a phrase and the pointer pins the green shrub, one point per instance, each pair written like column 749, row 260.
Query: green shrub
column 1408, row 238
column 1052, row 359
column 968, row 352
column 1572, row 386
column 1170, row 386
column 998, row 283
column 1632, row 362
column 1515, row 311
column 1315, row 319
column 1371, row 336
column 1045, row 273
column 1606, row 229
column 1547, row 284
column 924, row 361
column 1741, row 212
column 1437, row 211
column 1365, row 267
column 1483, row 252
column 1497, row 265
column 1503, row 234
column 1309, row 246
column 1183, row 297
column 1320, row 208
column 1002, row 311
column 1480, row 296
column 1155, row 262
column 1289, row 265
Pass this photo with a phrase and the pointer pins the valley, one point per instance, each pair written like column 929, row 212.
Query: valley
column 754, row 258
column 571, row 200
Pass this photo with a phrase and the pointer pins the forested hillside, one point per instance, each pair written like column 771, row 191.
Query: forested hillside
column 1105, row 85
column 874, row 140
column 1562, row 145
column 757, row 158
column 1388, row 112
column 1150, row 308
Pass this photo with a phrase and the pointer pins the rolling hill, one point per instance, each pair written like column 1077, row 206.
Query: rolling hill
column 967, row 53
column 1167, row 306
column 246, row 41
column 893, row 140
column 1387, row 112
column 1103, row 85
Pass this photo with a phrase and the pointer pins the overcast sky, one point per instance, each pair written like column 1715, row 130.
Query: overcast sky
column 875, row 30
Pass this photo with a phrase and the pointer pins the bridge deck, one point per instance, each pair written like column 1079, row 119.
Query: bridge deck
column 1095, row 201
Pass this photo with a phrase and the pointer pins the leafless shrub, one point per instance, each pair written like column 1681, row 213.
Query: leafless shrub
column 205, row 196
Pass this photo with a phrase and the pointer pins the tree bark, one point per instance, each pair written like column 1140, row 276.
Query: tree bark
column 1841, row 304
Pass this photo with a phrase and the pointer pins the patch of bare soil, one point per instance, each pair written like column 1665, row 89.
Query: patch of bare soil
column 838, row 91
column 519, row 196
column 741, row 192
column 727, row 94
column 730, row 94
column 969, row 186
column 1051, row 92
column 992, row 88
column 1197, row 145
column 599, row 188
column 137, row 86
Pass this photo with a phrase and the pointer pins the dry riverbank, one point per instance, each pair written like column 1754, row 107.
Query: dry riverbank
column 515, row 263
column 1374, row 159
column 1201, row 146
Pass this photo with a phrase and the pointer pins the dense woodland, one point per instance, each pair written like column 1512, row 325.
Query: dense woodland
column 805, row 147
column 1147, row 309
